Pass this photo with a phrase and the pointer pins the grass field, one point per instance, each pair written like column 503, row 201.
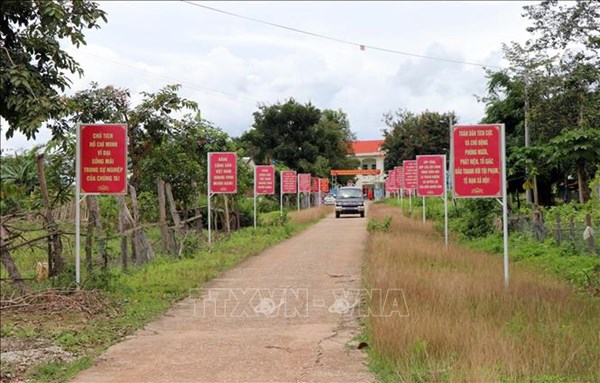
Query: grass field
column 463, row 324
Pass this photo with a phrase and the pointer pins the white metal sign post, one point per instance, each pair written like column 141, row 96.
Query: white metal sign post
column 479, row 169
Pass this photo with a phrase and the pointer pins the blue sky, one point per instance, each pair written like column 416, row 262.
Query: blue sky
column 229, row 65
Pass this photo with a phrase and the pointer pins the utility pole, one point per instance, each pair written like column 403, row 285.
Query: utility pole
column 528, row 190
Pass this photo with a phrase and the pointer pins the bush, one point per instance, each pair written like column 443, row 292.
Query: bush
column 475, row 218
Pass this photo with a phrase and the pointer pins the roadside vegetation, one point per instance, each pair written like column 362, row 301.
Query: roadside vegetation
column 84, row 323
column 463, row 324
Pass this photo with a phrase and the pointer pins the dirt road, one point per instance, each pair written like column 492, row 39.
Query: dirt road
column 283, row 316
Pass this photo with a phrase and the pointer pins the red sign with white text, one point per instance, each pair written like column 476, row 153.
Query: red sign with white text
column 324, row 185
column 431, row 175
column 222, row 172
column 288, row 181
column 410, row 174
column 304, row 182
column 314, row 185
column 399, row 173
column 392, row 180
column 264, row 179
column 477, row 161
column 103, row 159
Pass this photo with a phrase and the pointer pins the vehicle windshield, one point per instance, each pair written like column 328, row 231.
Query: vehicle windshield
column 349, row 193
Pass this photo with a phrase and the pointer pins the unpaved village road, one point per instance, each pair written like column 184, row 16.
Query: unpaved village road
column 278, row 317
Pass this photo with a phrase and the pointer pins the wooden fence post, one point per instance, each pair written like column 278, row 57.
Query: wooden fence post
column 558, row 229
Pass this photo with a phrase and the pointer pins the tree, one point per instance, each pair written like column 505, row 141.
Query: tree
column 551, row 88
column 34, row 67
column 152, row 122
column 409, row 134
column 301, row 137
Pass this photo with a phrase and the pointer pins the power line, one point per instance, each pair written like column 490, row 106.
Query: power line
column 188, row 85
column 335, row 39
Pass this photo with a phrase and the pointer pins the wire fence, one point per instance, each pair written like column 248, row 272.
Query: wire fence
column 581, row 232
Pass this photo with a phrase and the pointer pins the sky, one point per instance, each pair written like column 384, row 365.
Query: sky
column 229, row 65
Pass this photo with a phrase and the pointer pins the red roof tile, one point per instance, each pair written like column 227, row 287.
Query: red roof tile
column 371, row 146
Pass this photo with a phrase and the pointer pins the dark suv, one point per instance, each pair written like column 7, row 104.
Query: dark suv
column 349, row 200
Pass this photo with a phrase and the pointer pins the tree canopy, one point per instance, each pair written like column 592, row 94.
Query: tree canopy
column 34, row 68
column 553, row 87
column 409, row 134
column 300, row 136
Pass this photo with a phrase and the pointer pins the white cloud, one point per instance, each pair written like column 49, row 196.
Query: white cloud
column 228, row 65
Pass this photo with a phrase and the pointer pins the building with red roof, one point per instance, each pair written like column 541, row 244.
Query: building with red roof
column 371, row 156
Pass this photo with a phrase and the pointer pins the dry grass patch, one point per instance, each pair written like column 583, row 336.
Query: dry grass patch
column 463, row 324
column 311, row 215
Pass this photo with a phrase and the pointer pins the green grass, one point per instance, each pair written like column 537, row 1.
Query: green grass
column 139, row 296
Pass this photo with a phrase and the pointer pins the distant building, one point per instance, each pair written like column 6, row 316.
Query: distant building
column 371, row 156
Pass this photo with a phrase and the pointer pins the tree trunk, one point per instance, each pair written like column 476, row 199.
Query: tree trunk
column 173, row 208
column 90, row 234
column 162, row 214
column 226, row 212
column 581, row 183
column 536, row 199
column 197, row 211
column 141, row 244
column 11, row 268
column 122, row 229
column 55, row 261
column 100, row 237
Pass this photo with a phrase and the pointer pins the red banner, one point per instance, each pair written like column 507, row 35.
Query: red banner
column 324, row 185
column 222, row 172
column 103, row 159
column 355, row 172
column 314, row 185
column 264, row 179
column 477, row 161
column 410, row 174
column 431, row 175
column 304, row 182
column 288, row 181
column 390, row 182
column 399, row 173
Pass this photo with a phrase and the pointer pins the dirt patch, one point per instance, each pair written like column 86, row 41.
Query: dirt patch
column 17, row 356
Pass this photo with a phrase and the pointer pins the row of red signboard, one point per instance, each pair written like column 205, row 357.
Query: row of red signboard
column 477, row 165
column 103, row 167
column 223, row 177
column 426, row 175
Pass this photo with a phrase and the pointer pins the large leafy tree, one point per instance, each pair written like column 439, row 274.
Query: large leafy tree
column 553, row 87
column 409, row 134
column 34, row 68
column 302, row 137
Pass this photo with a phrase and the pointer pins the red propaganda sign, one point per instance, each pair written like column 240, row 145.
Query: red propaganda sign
column 304, row 182
column 410, row 174
column 264, row 179
column 431, row 175
column 222, row 172
column 477, row 161
column 314, row 185
column 324, row 185
column 103, row 159
column 288, row 181
column 392, row 180
column 399, row 173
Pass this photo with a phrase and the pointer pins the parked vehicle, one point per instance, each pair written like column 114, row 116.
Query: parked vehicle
column 329, row 199
column 349, row 200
